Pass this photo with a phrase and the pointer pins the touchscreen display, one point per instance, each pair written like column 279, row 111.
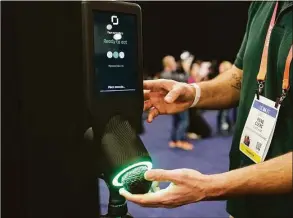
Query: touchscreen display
column 115, row 58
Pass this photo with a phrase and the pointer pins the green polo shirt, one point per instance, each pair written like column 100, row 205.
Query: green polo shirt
column 248, row 59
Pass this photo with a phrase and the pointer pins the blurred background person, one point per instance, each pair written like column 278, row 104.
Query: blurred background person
column 213, row 70
column 204, row 70
column 186, row 59
column 157, row 75
column 198, row 126
column 225, row 65
column 194, row 73
column 180, row 121
column 224, row 124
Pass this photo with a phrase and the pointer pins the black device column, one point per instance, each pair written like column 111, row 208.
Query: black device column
column 112, row 37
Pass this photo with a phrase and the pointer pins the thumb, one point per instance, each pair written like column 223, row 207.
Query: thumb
column 160, row 175
column 173, row 94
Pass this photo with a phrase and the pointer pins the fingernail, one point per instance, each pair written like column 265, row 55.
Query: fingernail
column 167, row 98
column 147, row 175
column 121, row 191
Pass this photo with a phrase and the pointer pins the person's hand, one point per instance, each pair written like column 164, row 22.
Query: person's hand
column 166, row 97
column 187, row 186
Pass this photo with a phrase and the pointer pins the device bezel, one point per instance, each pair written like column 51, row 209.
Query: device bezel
column 95, row 102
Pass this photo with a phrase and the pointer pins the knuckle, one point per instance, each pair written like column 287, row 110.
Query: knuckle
column 180, row 87
column 157, row 112
column 165, row 204
column 141, row 201
column 159, row 177
column 168, row 203
column 158, row 171
column 185, row 174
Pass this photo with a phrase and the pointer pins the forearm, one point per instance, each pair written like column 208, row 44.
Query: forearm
column 221, row 92
column 270, row 177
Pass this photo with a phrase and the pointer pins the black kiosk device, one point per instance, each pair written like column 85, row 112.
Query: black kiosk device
column 112, row 43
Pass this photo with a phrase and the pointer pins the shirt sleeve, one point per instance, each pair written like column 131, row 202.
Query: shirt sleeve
column 240, row 55
column 239, row 58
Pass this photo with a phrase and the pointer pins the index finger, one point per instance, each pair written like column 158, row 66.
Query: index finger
column 161, row 175
column 159, row 84
column 150, row 84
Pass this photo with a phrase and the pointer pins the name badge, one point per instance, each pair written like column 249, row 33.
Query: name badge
column 259, row 129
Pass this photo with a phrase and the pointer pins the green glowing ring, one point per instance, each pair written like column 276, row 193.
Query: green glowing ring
column 116, row 182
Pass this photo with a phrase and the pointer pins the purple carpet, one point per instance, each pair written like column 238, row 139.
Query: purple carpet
column 208, row 156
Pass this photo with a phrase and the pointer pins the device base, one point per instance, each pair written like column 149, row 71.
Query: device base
column 111, row 216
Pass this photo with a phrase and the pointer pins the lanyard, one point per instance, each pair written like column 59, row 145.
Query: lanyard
column 264, row 62
column 264, row 58
column 286, row 84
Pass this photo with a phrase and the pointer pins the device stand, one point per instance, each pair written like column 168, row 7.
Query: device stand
column 117, row 207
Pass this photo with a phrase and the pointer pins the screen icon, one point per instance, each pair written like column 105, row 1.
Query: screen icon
column 117, row 36
column 121, row 54
column 115, row 54
column 114, row 20
column 109, row 54
column 109, row 27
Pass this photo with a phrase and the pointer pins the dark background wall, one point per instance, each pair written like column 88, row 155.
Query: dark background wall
column 210, row 30
column 47, row 169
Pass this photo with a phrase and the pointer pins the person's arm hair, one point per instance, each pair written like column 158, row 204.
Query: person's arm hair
column 222, row 91
column 270, row 177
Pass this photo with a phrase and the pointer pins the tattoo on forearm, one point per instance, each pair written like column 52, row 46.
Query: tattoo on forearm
column 236, row 81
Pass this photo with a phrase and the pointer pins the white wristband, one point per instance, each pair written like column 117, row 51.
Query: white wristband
column 197, row 94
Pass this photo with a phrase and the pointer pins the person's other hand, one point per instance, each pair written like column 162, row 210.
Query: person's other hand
column 187, row 186
column 166, row 97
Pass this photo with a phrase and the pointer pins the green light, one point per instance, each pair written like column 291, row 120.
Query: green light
column 116, row 182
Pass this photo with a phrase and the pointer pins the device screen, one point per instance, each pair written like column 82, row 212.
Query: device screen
column 115, row 59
